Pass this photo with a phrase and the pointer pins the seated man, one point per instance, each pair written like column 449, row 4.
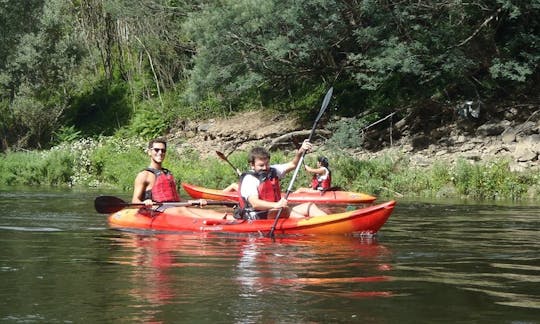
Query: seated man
column 260, row 190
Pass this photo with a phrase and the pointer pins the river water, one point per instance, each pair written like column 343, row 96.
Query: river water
column 432, row 262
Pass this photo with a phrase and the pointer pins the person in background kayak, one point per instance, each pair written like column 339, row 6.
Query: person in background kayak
column 322, row 176
column 232, row 187
column 260, row 189
column 156, row 184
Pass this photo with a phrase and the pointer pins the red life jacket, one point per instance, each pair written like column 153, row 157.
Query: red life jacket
column 321, row 185
column 164, row 188
column 269, row 189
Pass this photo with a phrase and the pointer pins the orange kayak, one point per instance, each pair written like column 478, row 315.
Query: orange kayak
column 365, row 221
column 327, row 197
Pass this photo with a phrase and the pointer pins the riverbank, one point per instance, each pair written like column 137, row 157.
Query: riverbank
column 487, row 166
column 513, row 137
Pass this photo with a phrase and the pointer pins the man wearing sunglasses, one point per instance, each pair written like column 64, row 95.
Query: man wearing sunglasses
column 155, row 184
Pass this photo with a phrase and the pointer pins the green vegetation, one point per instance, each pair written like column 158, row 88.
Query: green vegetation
column 112, row 162
column 91, row 80
column 74, row 69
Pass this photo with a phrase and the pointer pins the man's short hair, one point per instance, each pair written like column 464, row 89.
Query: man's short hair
column 258, row 153
column 157, row 140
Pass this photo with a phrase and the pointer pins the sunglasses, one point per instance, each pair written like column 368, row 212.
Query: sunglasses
column 157, row 150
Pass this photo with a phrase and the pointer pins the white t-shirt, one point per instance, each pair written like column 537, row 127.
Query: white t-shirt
column 324, row 176
column 250, row 184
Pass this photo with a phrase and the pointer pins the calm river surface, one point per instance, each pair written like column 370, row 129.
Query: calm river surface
column 436, row 262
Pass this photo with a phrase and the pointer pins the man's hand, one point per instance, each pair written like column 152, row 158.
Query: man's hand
column 282, row 203
column 306, row 146
column 199, row 202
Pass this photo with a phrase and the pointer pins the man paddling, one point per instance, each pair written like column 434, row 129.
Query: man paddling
column 260, row 189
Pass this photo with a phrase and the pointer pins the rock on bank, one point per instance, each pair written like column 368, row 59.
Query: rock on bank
column 514, row 135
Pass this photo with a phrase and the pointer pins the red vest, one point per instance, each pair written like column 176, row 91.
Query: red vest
column 321, row 185
column 269, row 189
column 164, row 188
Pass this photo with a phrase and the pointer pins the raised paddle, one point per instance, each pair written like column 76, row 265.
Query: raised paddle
column 111, row 204
column 224, row 158
column 289, row 189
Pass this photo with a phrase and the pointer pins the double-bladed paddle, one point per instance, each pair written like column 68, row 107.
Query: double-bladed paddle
column 111, row 204
column 289, row 189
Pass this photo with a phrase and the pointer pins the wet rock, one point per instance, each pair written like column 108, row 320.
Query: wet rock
column 492, row 129
column 204, row 128
column 509, row 135
column 525, row 152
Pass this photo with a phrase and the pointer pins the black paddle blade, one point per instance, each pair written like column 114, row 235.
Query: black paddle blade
column 324, row 105
column 326, row 100
column 108, row 204
column 221, row 155
column 224, row 158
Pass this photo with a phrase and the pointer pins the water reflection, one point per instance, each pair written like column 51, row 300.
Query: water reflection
column 250, row 272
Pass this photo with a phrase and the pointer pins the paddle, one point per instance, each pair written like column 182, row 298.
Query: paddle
column 289, row 189
column 111, row 204
column 224, row 158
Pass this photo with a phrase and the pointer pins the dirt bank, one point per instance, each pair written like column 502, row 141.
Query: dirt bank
column 511, row 133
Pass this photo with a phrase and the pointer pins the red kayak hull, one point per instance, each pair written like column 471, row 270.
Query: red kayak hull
column 365, row 221
column 327, row 197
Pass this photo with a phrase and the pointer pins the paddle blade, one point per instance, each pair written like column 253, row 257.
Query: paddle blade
column 108, row 204
column 224, row 158
column 324, row 105
column 221, row 155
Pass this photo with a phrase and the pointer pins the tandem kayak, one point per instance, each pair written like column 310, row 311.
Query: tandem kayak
column 326, row 197
column 364, row 221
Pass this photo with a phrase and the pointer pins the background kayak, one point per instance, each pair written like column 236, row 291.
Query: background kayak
column 327, row 197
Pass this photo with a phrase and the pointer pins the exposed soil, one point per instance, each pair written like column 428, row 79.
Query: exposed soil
column 425, row 136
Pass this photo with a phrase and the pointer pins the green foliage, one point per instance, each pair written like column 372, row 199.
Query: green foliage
column 100, row 108
column 491, row 181
column 114, row 162
column 394, row 177
column 304, row 101
column 348, row 132
column 96, row 65
column 270, row 50
column 36, row 168
column 38, row 64
column 211, row 105
column 190, row 167
column 30, row 114
column 67, row 134
column 147, row 122
column 512, row 70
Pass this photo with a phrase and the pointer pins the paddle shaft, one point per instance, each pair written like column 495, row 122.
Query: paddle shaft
column 300, row 162
column 224, row 158
column 111, row 204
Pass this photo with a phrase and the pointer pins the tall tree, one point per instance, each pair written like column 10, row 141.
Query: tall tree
column 37, row 69
column 396, row 50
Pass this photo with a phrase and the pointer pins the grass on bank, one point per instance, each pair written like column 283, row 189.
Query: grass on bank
column 111, row 162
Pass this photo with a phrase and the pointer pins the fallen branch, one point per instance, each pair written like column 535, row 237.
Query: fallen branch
column 289, row 137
